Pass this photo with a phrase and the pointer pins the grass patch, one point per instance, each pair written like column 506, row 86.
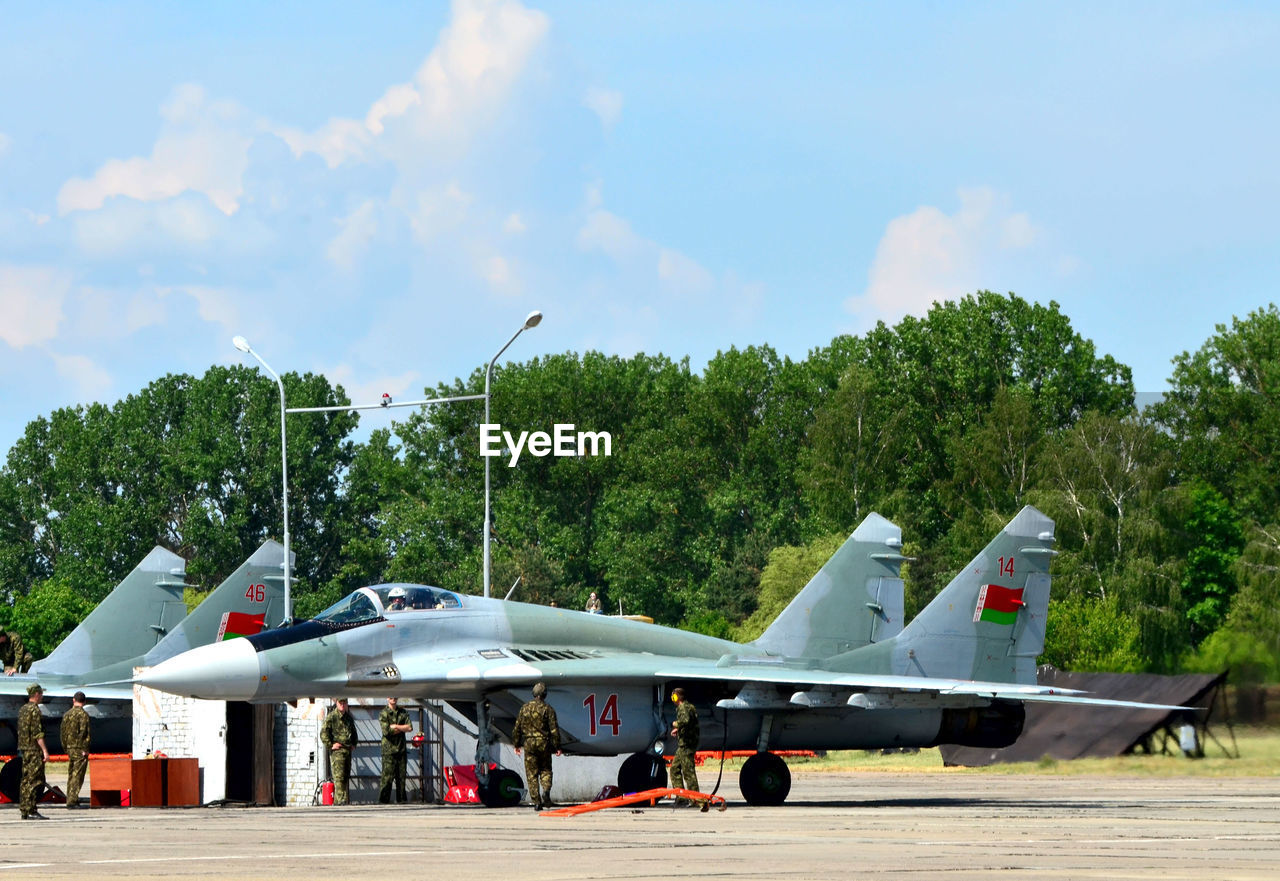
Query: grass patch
column 1259, row 757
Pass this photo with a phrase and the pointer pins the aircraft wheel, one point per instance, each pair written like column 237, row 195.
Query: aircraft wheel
column 641, row 771
column 764, row 780
column 504, row 789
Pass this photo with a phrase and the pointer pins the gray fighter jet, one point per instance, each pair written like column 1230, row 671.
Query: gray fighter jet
column 142, row 622
column 836, row 670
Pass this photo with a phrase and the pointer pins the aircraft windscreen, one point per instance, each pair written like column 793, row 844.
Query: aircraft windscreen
column 403, row 597
column 351, row 609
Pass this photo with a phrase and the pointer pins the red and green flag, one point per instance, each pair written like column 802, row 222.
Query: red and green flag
column 240, row 624
column 997, row 604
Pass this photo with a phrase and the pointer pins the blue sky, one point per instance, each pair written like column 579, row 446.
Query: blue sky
column 381, row 192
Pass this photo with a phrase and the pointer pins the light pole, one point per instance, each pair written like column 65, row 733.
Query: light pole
column 243, row 345
column 531, row 321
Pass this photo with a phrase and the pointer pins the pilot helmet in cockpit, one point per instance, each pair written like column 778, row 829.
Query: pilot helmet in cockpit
column 396, row 598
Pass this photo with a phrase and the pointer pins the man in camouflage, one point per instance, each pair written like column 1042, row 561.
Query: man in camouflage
column 395, row 755
column 31, row 747
column 13, row 654
column 339, row 737
column 75, row 740
column 686, row 732
column 538, row 734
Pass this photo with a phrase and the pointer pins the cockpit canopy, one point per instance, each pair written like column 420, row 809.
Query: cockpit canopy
column 378, row 601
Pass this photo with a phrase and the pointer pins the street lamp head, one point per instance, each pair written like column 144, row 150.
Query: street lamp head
column 535, row 317
column 240, row 343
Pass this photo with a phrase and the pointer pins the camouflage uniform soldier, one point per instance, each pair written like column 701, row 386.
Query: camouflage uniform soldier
column 75, row 740
column 395, row 724
column 687, row 735
column 13, row 654
column 34, row 752
column 339, row 737
column 538, row 734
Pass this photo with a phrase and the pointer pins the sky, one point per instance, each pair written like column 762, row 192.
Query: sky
column 381, row 192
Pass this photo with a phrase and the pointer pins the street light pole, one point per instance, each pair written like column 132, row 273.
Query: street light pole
column 531, row 321
column 243, row 345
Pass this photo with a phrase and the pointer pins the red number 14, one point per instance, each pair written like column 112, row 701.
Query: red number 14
column 608, row 714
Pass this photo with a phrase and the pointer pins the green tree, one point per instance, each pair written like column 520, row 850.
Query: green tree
column 1107, row 483
column 1223, row 412
column 1209, row 583
column 46, row 614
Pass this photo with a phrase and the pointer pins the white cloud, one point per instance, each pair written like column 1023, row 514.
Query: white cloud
column 498, row 272
column 352, row 241
column 928, row 256
column 105, row 313
column 218, row 306
column 436, row 212
column 462, row 84
column 607, row 232
column 682, row 273
column 31, row 299
column 513, row 225
column 605, row 103
column 92, row 381
column 203, row 147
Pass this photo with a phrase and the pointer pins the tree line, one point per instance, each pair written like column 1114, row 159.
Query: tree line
column 725, row 490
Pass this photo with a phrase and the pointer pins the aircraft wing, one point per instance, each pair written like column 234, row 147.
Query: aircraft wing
column 17, row 684
column 641, row 668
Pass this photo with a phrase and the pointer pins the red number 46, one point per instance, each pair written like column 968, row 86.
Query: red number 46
column 257, row 593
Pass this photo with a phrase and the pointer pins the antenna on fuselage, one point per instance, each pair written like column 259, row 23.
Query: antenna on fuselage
column 514, row 585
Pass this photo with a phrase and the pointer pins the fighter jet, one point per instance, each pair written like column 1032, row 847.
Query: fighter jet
column 142, row 622
column 835, row 670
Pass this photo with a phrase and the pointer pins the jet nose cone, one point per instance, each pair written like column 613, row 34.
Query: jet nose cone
column 219, row 671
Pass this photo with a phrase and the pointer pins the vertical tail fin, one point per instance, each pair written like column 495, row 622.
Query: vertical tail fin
column 855, row 599
column 250, row 600
column 129, row 622
column 988, row 623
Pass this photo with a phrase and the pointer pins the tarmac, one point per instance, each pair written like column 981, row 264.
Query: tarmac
column 833, row 826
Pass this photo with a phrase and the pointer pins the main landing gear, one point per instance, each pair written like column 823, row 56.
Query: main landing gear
column 764, row 780
column 641, row 771
column 503, row 789
column 497, row 787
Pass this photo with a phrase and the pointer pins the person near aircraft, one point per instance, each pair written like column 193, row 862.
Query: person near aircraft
column 594, row 606
column 395, row 754
column 339, row 737
column 687, row 735
column 538, row 734
column 397, row 599
column 13, row 654
column 34, row 752
column 75, row 741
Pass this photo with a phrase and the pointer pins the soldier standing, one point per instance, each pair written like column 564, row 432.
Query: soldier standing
column 687, row 735
column 395, row 724
column 339, row 737
column 538, row 734
column 13, row 654
column 34, row 753
column 75, row 740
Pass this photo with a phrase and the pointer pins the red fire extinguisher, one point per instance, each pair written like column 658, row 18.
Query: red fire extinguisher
column 326, row 792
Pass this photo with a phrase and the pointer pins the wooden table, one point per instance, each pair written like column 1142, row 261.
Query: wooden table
column 150, row 782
